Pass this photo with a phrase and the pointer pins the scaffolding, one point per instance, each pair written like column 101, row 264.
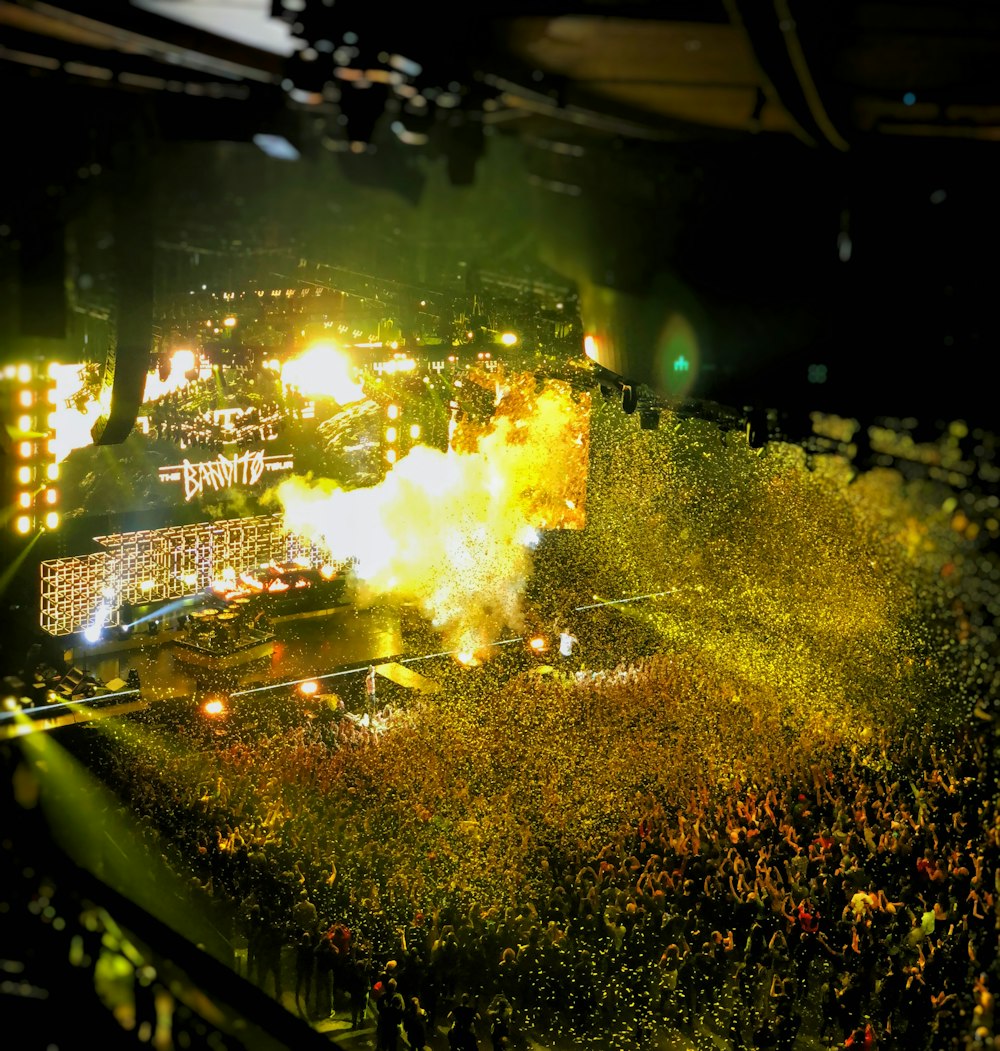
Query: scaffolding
column 153, row 565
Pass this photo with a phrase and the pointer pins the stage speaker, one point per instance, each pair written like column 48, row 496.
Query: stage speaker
column 129, row 351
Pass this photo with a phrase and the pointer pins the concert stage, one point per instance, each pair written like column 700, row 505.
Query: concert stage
column 302, row 647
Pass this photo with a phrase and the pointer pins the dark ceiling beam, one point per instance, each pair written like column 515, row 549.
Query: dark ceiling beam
column 777, row 45
column 571, row 103
column 713, row 11
column 81, row 108
column 127, row 28
column 20, row 47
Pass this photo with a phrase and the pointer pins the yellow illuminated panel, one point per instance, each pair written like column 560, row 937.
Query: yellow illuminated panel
column 52, row 520
column 24, row 499
column 415, row 430
column 391, row 455
column 24, row 423
column 24, row 475
column 25, row 399
column 393, row 412
column 52, row 472
column 24, row 373
column 390, row 434
column 23, row 524
column 25, row 449
column 51, row 496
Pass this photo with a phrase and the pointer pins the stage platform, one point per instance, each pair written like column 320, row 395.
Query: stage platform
column 304, row 646
column 221, row 658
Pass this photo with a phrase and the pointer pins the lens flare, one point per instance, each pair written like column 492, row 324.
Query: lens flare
column 323, row 371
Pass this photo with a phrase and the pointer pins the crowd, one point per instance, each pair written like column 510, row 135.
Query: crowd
column 701, row 866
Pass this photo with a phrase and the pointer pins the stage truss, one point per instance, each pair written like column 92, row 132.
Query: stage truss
column 153, row 565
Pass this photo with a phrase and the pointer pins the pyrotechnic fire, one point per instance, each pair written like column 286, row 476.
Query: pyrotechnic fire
column 323, row 371
column 453, row 532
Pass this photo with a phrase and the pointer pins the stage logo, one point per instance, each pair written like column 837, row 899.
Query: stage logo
column 224, row 472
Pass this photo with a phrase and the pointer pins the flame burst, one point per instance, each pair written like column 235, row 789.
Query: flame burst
column 323, row 371
column 453, row 532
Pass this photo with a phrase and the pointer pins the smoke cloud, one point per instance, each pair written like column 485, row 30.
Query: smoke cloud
column 453, row 532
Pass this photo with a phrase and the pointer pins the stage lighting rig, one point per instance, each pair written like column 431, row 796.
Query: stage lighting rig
column 366, row 70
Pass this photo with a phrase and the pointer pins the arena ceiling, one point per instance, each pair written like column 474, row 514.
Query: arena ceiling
column 628, row 104
column 829, row 76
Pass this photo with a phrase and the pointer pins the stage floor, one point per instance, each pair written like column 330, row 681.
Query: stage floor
column 302, row 648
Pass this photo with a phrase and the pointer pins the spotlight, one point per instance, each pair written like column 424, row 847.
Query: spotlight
column 307, row 689
column 93, row 633
column 276, row 146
